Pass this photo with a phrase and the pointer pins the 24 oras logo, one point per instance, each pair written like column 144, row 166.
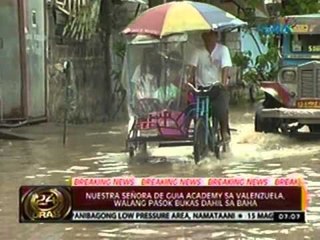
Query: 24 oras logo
column 47, row 203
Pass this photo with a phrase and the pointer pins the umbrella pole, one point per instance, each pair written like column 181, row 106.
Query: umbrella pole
column 182, row 75
column 166, row 70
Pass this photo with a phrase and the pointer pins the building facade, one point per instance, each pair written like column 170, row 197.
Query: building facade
column 23, row 89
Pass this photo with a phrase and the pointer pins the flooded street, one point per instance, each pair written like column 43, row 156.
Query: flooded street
column 95, row 150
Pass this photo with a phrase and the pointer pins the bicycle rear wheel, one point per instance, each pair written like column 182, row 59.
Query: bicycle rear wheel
column 199, row 143
column 217, row 139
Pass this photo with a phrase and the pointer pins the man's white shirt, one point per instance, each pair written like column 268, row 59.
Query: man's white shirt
column 209, row 66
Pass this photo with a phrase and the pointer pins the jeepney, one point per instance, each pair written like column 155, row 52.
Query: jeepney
column 293, row 99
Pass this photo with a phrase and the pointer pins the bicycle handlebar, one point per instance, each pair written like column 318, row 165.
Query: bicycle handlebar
column 204, row 90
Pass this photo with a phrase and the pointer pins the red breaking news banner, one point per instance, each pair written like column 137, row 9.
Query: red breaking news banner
column 186, row 198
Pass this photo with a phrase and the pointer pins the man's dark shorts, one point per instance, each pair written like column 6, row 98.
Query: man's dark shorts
column 220, row 102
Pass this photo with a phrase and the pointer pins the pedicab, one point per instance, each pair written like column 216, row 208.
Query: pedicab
column 163, row 107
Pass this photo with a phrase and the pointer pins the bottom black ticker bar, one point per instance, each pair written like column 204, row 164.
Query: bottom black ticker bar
column 188, row 216
column 172, row 216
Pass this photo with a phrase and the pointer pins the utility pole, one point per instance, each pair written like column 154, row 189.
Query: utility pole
column 67, row 71
column 106, row 12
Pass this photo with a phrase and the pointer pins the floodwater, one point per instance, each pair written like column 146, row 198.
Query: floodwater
column 95, row 150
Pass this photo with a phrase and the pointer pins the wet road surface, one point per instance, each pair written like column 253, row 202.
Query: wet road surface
column 95, row 150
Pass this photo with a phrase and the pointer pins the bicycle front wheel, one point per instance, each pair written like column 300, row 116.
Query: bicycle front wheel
column 199, row 143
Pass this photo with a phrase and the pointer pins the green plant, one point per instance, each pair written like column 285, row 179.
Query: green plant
column 120, row 48
column 264, row 68
column 267, row 65
column 293, row 7
column 82, row 25
column 242, row 59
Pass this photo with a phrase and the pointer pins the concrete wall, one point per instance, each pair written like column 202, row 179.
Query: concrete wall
column 249, row 44
column 89, row 78
column 243, row 42
column 233, row 42
column 35, row 58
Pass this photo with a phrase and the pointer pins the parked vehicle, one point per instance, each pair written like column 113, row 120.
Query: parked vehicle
column 293, row 99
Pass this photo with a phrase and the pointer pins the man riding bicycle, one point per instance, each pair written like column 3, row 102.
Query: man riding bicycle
column 210, row 64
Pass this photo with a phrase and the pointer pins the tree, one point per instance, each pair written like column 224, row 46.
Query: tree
column 295, row 7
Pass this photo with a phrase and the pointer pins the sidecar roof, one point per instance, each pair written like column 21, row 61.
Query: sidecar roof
column 148, row 39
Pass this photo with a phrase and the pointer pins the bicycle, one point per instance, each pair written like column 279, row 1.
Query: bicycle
column 207, row 134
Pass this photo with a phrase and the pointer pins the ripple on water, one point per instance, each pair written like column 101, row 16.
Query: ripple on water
column 217, row 234
column 43, row 175
column 273, row 164
column 284, row 231
column 312, row 184
column 60, row 171
column 316, row 224
column 314, row 174
column 110, row 230
column 79, row 168
column 141, row 231
column 91, row 173
column 276, row 171
column 30, row 177
column 111, row 163
column 113, row 235
column 94, row 158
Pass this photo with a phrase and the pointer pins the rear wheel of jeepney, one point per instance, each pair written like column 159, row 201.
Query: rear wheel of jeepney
column 267, row 125
column 314, row 128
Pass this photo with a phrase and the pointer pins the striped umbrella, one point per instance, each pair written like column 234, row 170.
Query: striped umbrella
column 177, row 17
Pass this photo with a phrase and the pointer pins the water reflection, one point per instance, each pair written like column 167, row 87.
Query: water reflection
column 96, row 151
